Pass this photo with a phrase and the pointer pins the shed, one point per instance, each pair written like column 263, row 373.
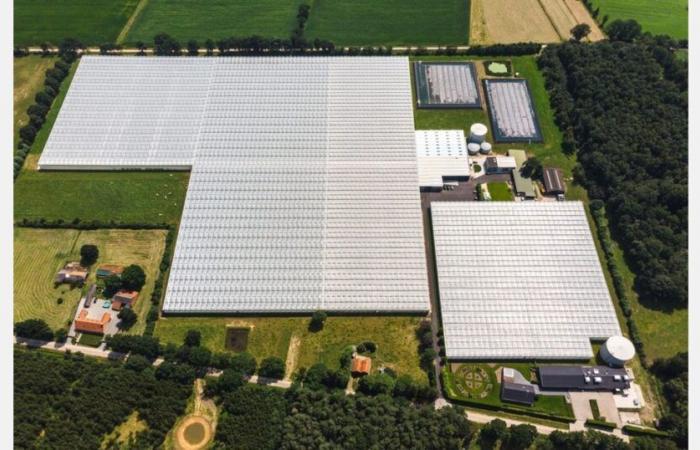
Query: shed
column 107, row 270
column 361, row 365
column 523, row 185
column 499, row 164
column 124, row 298
column 553, row 180
column 518, row 393
column 90, row 295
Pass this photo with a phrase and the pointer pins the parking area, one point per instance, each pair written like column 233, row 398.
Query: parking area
column 95, row 311
column 580, row 402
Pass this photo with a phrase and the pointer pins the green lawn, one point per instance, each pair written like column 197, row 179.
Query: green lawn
column 548, row 152
column 92, row 22
column 390, row 22
column 28, row 81
column 91, row 340
column 500, row 192
column 214, row 19
column 397, row 346
column 656, row 16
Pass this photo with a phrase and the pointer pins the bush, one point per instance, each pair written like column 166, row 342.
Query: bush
column 272, row 367
column 193, row 338
column 245, row 363
column 34, row 329
column 600, row 423
column 367, row 347
column 89, row 254
column 142, row 345
column 28, row 133
column 133, row 278
column 43, row 98
column 317, row 320
column 137, row 363
column 127, row 318
column 61, row 335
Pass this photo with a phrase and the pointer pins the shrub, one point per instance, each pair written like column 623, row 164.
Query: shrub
column 127, row 318
column 137, row 363
column 367, row 347
column 376, row 384
column 245, row 363
column 89, row 254
column 317, row 320
column 133, row 278
column 193, row 338
column 272, row 367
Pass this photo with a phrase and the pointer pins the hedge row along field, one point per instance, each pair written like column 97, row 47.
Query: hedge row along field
column 28, row 81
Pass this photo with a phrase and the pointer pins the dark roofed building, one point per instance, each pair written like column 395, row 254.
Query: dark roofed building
column 518, row 393
column 553, row 180
column 583, row 378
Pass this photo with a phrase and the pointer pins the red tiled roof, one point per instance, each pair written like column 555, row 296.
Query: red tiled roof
column 361, row 364
column 84, row 324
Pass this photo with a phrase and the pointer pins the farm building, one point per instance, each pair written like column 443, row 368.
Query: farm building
column 72, row 273
column 617, row 351
column 89, row 297
column 499, row 164
column 124, row 298
column 85, row 324
column 107, row 270
column 442, row 156
column 553, row 180
column 523, row 185
column 303, row 187
column 531, row 287
column 518, row 393
column 583, row 378
column 361, row 365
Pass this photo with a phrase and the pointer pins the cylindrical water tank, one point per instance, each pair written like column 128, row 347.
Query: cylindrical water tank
column 617, row 350
column 485, row 148
column 473, row 148
column 477, row 133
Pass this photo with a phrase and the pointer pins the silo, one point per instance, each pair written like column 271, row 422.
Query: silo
column 485, row 148
column 617, row 350
column 473, row 148
column 477, row 133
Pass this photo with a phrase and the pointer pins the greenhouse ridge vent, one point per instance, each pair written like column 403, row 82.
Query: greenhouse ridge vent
column 285, row 211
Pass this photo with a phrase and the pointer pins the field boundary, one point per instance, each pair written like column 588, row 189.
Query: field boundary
column 130, row 23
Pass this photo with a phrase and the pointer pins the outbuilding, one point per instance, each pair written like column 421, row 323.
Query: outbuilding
column 617, row 350
column 553, row 180
column 583, row 378
column 499, row 164
column 361, row 365
column 124, row 298
column 518, row 393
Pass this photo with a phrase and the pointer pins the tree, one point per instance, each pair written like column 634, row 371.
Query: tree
column 34, row 329
column 405, row 387
column 315, row 377
column 43, row 98
column 272, row 367
column 127, row 318
column 492, row 432
column 192, row 48
column 532, row 169
column 580, row 31
column 68, row 49
column 193, row 338
column 133, row 278
column 179, row 373
column 147, row 346
column 28, row 133
column 61, row 335
column 137, row 363
column 142, row 47
column 164, row 45
column 89, row 254
column 520, row 437
column 112, row 284
column 317, row 320
column 199, row 357
column 624, row 30
column 228, row 381
column 245, row 363
column 209, row 45
column 367, row 347
column 375, row 384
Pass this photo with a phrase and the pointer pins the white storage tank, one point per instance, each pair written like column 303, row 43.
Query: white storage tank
column 617, row 350
column 477, row 133
column 473, row 148
column 485, row 148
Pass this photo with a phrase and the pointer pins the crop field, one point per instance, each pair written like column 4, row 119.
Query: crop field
column 214, row 19
column 656, row 16
column 92, row 22
column 39, row 253
column 28, row 81
column 152, row 197
column 397, row 346
column 390, row 22
column 500, row 21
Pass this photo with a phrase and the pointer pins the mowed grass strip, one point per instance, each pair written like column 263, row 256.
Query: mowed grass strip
column 28, row 81
column 93, row 22
column 397, row 346
column 655, row 16
column 40, row 253
column 214, row 19
column 390, row 22
column 132, row 197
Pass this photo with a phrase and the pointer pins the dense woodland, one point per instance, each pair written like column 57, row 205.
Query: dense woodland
column 623, row 108
column 71, row 402
column 673, row 373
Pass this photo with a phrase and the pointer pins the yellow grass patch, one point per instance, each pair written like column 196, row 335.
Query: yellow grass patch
column 28, row 80
column 40, row 253
column 125, row 431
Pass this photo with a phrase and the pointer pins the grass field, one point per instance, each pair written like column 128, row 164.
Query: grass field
column 92, row 22
column 214, row 19
column 390, row 22
column 28, row 81
column 655, row 16
column 500, row 192
column 270, row 336
column 548, row 152
column 152, row 197
column 39, row 253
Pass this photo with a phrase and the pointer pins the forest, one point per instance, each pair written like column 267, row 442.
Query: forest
column 623, row 108
column 71, row 402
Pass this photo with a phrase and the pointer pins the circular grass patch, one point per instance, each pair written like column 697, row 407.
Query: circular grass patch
column 473, row 381
column 194, row 433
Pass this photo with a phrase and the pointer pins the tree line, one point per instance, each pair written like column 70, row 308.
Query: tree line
column 623, row 109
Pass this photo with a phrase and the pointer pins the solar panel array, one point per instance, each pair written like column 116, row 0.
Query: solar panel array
column 288, row 207
column 519, row 280
column 446, row 85
column 512, row 111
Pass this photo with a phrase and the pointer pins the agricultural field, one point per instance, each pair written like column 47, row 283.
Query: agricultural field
column 213, row 19
column 28, row 81
column 93, row 22
column 390, row 22
column 500, row 21
column 655, row 16
column 40, row 253
column 397, row 345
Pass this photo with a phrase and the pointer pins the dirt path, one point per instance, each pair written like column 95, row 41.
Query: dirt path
column 129, row 23
column 292, row 357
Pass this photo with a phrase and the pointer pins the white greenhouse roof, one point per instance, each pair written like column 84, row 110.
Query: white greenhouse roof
column 441, row 154
column 519, row 280
column 287, row 208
